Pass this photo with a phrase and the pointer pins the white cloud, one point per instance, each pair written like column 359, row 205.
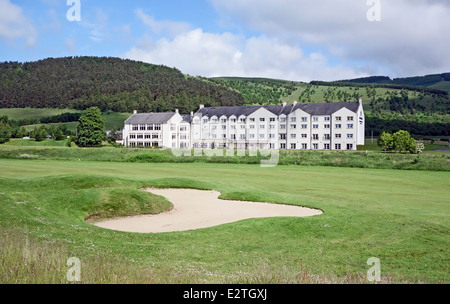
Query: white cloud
column 411, row 38
column 161, row 27
column 208, row 54
column 14, row 25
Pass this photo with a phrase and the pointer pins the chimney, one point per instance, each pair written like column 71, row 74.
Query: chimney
column 295, row 103
column 202, row 106
column 360, row 101
column 284, row 103
column 135, row 112
column 192, row 114
column 177, row 111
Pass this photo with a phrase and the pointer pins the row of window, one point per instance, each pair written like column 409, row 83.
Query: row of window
column 316, row 146
column 272, row 136
column 143, row 144
column 272, row 119
column 146, row 127
column 144, row 136
column 283, row 126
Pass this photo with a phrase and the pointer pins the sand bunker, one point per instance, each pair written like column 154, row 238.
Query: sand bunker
column 194, row 209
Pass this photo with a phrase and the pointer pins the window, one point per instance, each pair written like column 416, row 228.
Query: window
column 158, row 127
column 140, row 136
column 326, row 146
column 233, row 136
column 282, row 146
column 316, row 146
column 338, row 118
column 174, row 136
column 224, row 127
column 349, row 126
column 155, row 136
column 252, row 135
column 252, row 120
column 293, row 119
column 142, row 127
column 350, row 118
column 338, row 126
column 262, row 119
column 283, row 136
column 349, row 146
column 315, row 126
column 327, row 118
column 283, row 127
column 304, row 119
column 262, row 126
column 224, row 120
column 132, row 136
column 271, row 135
column 283, row 119
column 262, row 136
column 293, row 136
column 327, row 126
column 304, row 135
column 293, row 126
column 233, row 120
column 305, row 146
column 304, row 126
column 271, row 146
column 149, row 127
column 326, row 137
column 293, row 146
column 205, row 120
column 337, row 135
column 349, row 135
column 272, row 119
column 242, row 136
column 242, row 120
column 135, row 127
column 337, row 146
column 315, row 136
column 183, row 129
column 271, row 126
column 252, row 126
column 147, row 136
column 315, row 118
column 214, row 120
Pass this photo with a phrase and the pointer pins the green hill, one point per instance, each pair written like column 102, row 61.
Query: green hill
column 109, row 83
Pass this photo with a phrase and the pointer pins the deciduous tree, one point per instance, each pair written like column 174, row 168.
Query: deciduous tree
column 91, row 130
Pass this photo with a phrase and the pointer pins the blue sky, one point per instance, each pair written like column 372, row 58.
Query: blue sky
column 287, row 39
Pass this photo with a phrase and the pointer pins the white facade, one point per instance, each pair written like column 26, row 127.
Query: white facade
column 331, row 126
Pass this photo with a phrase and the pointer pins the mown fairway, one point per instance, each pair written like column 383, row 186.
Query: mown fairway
column 400, row 217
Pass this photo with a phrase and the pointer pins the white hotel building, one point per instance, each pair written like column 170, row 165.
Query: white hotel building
column 314, row 126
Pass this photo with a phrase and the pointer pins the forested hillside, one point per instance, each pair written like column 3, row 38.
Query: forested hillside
column 109, row 83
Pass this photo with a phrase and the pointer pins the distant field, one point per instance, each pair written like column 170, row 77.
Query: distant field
column 113, row 120
column 34, row 113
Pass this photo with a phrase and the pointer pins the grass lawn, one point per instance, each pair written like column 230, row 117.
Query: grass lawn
column 398, row 216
